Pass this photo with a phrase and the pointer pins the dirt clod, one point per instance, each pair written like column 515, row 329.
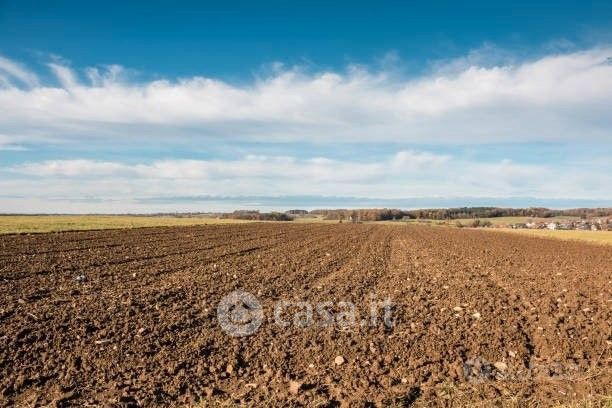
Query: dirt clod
column 294, row 387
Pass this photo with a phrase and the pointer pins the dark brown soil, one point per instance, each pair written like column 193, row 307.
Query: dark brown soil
column 129, row 317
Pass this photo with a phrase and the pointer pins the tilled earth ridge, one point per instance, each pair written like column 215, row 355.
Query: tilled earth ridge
column 128, row 317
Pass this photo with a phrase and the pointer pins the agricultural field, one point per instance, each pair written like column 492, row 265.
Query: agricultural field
column 513, row 220
column 313, row 219
column 596, row 237
column 54, row 223
column 147, row 317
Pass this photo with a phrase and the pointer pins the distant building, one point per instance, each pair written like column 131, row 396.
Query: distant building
column 297, row 212
column 583, row 225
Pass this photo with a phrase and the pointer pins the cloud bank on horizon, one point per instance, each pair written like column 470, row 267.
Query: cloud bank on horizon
column 284, row 133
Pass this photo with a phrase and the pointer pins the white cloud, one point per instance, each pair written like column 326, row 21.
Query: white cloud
column 70, row 168
column 561, row 97
column 404, row 174
column 10, row 143
column 251, row 170
column 64, row 75
column 485, row 97
column 12, row 69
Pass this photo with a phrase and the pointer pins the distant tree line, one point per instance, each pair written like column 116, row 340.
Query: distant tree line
column 386, row 214
column 491, row 212
column 257, row 216
column 382, row 214
column 373, row 214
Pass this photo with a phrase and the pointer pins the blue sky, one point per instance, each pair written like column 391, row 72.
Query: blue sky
column 231, row 40
column 146, row 106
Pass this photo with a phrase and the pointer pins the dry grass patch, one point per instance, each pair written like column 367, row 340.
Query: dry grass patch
column 597, row 237
column 52, row 223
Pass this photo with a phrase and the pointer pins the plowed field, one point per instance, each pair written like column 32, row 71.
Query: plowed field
column 129, row 317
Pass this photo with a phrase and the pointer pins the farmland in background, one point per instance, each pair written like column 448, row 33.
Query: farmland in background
column 514, row 220
column 54, row 223
column 599, row 237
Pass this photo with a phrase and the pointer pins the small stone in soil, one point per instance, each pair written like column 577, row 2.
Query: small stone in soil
column 294, row 387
